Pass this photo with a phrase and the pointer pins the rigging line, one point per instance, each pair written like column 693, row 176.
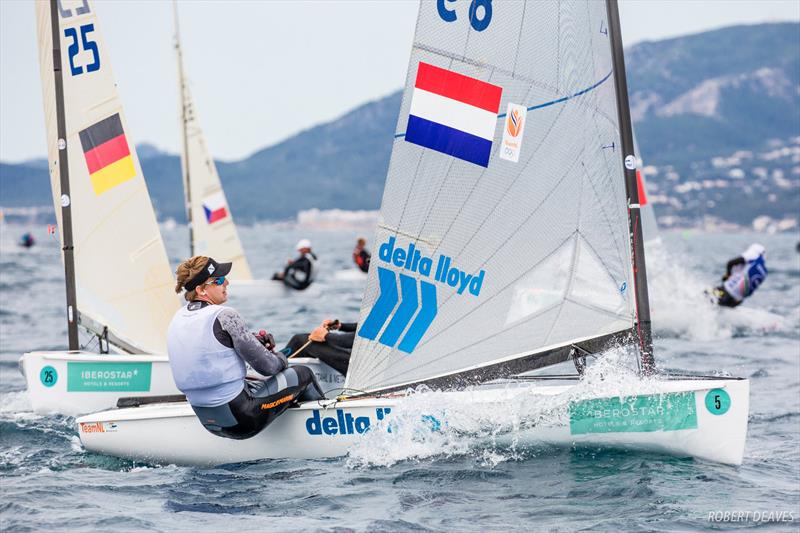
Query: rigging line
column 547, row 104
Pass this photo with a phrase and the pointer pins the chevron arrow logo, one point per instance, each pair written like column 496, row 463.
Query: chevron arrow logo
column 422, row 304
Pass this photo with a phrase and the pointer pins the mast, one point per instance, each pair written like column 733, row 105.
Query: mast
column 66, row 201
column 184, row 120
column 634, row 210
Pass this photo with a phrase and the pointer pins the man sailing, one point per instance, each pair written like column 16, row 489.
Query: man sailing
column 743, row 275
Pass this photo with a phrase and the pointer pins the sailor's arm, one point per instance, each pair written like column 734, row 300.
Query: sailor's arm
column 263, row 361
column 732, row 263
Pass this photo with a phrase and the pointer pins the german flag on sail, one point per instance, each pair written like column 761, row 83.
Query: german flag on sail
column 107, row 154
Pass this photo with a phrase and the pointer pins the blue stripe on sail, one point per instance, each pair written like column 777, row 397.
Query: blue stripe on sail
column 448, row 140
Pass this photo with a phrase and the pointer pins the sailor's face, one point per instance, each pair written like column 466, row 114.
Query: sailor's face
column 215, row 294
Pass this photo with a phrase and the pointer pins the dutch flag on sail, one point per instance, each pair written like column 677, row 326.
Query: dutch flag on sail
column 453, row 114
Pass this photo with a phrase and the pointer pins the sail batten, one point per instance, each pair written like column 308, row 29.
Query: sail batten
column 486, row 257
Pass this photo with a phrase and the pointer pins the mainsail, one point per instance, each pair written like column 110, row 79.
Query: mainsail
column 504, row 231
column 122, row 276
column 211, row 226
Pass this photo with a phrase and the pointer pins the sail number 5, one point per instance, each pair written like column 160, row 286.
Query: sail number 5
column 85, row 43
column 480, row 13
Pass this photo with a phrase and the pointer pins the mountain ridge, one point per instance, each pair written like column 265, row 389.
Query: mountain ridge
column 695, row 100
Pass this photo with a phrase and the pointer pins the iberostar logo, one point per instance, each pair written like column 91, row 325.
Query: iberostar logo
column 417, row 306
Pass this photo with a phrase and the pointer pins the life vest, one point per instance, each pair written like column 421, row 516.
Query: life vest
column 206, row 371
column 361, row 258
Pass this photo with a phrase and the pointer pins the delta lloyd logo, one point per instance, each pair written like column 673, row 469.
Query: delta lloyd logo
column 514, row 123
column 417, row 307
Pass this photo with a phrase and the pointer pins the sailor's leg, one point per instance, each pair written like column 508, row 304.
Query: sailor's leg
column 296, row 342
column 296, row 380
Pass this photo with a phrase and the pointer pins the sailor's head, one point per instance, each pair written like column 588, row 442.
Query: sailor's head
column 303, row 246
column 361, row 242
column 203, row 279
column 753, row 251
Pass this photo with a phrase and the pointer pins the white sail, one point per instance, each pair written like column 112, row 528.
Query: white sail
column 213, row 230
column 123, row 277
column 504, row 227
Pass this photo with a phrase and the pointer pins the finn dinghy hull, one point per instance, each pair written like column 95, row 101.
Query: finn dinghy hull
column 75, row 383
column 705, row 419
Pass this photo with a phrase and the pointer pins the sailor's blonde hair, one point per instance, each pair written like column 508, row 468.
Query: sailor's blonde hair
column 186, row 271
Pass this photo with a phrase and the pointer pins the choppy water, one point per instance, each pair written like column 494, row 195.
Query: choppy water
column 47, row 481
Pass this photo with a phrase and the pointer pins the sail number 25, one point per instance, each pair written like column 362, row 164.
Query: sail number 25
column 87, row 44
column 480, row 12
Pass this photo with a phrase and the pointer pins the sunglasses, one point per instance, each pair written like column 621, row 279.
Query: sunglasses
column 215, row 281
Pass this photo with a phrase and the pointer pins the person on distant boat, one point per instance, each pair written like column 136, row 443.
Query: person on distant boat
column 27, row 240
column 209, row 346
column 331, row 343
column 299, row 273
column 743, row 275
column 361, row 257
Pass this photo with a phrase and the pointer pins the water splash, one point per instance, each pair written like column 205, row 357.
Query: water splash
column 680, row 307
column 494, row 427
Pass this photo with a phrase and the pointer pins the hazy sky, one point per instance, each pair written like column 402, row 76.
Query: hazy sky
column 263, row 70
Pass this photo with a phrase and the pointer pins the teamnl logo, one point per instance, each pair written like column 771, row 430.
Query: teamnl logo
column 417, row 306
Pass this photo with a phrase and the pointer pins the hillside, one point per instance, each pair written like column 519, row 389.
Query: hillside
column 717, row 115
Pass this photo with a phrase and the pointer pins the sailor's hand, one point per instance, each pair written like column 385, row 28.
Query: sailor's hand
column 331, row 323
column 266, row 339
column 319, row 334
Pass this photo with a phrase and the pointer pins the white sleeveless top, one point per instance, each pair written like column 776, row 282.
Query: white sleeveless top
column 209, row 373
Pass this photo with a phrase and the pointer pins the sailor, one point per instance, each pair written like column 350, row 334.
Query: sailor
column 209, row 347
column 27, row 240
column 361, row 257
column 300, row 272
column 743, row 275
column 331, row 342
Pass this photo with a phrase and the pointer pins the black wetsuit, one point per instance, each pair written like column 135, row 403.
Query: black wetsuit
column 259, row 402
column 299, row 273
column 334, row 352
column 362, row 259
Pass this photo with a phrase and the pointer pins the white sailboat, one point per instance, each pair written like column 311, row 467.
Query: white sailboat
column 509, row 241
column 212, row 230
column 120, row 286
column 119, row 281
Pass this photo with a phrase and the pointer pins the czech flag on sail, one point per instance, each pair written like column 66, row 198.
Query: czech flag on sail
column 214, row 208
column 107, row 155
column 453, row 114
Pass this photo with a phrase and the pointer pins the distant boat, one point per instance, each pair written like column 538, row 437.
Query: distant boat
column 212, row 231
column 509, row 240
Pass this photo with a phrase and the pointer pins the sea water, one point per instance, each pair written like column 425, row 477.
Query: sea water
column 469, row 480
